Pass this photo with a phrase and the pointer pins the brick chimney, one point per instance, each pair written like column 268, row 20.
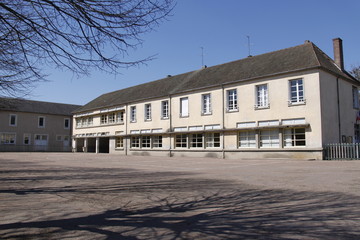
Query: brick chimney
column 338, row 53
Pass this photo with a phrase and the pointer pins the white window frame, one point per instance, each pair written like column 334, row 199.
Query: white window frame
column 44, row 119
column 146, row 141
column 247, row 139
column 157, row 141
column 119, row 117
column 197, row 140
column 135, row 142
column 119, row 142
column 15, row 120
column 291, row 137
column 212, row 140
column 184, row 107
column 165, row 109
column 7, row 138
column 231, row 100
column 183, row 141
column 262, row 96
column 132, row 113
column 270, row 137
column 147, row 112
column 206, row 108
column 299, row 96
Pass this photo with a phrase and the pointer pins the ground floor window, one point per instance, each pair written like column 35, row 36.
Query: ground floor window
column 294, row 137
column 212, row 140
column 27, row 139
column 247, row 139
column 157, row 142
column 119, row 142
column 181, row 141
column 145, row 141
column 7, row 138
column 269, row 138
column 135, row 141
column 196, row 140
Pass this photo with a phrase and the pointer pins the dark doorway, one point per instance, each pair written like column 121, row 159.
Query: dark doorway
column 79, row 145
column 104, row 145
column 91, row 145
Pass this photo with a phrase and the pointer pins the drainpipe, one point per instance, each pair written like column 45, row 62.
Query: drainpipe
column 170, row 126
column 223, row 120
column 126, row 130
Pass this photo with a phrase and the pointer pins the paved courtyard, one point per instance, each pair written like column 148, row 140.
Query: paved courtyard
column 89, row 196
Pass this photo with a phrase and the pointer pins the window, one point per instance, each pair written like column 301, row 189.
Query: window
column 112, row 117
column 355, row 93
column 67, row 123
column 13, row 120
column 133, row 114
column 294, row 137
column 206, row 104
column 269, row 138
column 78, row 122
column 181, row 141
column 148, row 112
column 104, row 119
column 120, row 117
column 184, row 107
column 232, row 104
column 196, row 140
column 262, row 96
column 165, row 109
column 135, row 141
column 146, row 142
column 212, row 140
column 7, row 138
column 27, row 139
column 296, row 91
column 41, row 122
column 90, row 121
column 247, row 139
column 157, row 141
column 119, row 142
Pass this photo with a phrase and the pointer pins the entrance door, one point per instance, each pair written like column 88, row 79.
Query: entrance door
column 41, row 142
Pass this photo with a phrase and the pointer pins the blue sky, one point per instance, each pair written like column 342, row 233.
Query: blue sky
column 221, row 28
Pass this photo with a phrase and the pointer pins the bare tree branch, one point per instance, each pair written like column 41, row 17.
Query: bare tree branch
column 76, row 35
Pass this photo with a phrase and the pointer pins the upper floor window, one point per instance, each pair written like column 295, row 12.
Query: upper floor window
column 148, row 112
column 104, row 119
column 232, row 104
column 296, row 91
column 120, row 117
column 165, row 109
column 13, row 120
column 206, row 104
column 67, row 123
column 262, row 96
column 41, row 122
column 355, row 93
column 184, row 107
column 133, row 114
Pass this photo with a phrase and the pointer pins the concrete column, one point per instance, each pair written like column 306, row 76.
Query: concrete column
column 85, row 144
column 97, row 145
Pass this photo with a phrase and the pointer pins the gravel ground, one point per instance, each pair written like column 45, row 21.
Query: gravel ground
column 101, row 196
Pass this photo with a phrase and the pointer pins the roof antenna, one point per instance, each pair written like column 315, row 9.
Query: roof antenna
column 202, row 58
column 248, row 38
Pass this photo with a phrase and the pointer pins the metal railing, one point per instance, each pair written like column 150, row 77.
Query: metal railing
column 342, row 151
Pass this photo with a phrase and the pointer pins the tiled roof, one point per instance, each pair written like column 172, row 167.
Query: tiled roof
column 22, row 105
column 301, row 57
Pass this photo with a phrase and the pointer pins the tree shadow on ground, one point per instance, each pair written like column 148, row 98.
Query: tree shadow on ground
column 178, row 206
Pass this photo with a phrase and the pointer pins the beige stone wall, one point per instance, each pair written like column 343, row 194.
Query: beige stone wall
column 27, row 123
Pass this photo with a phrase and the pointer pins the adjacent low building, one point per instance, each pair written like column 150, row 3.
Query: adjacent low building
column 35, row 126
column 282, row 104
